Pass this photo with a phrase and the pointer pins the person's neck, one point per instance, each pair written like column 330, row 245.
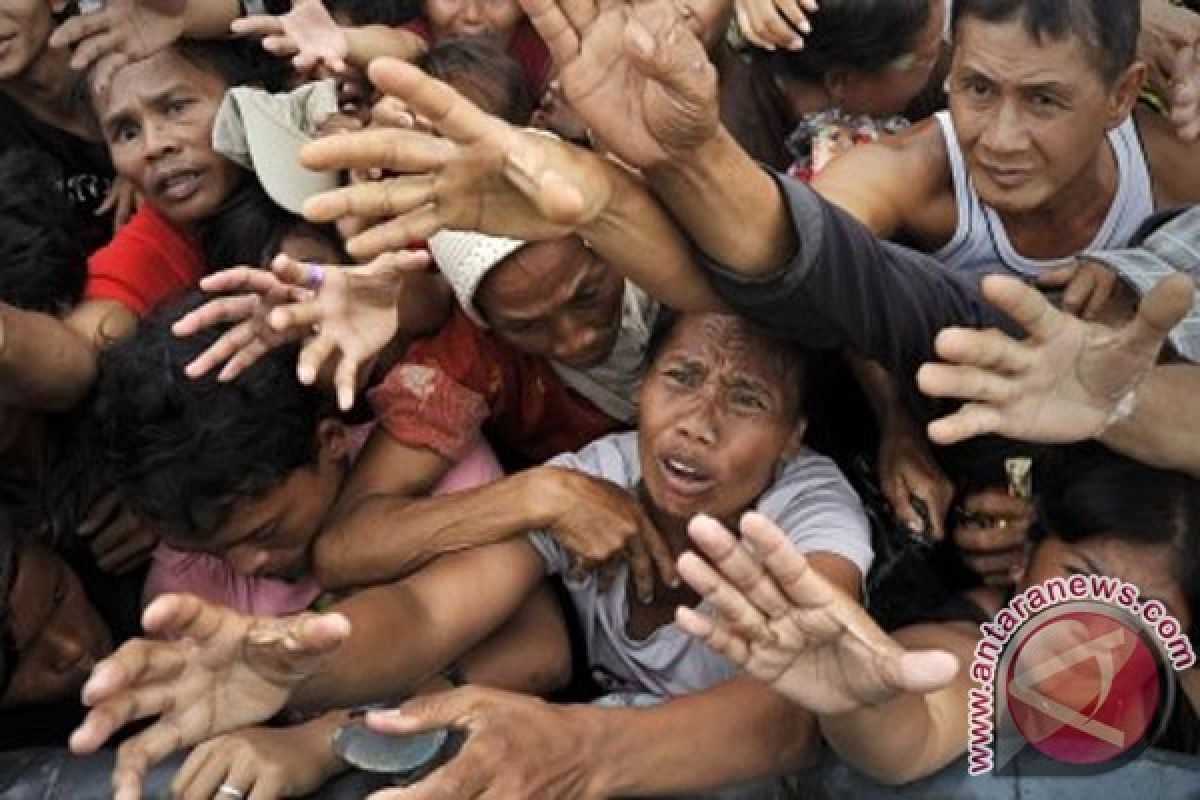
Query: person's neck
column 1067, row 223
column 44, row 90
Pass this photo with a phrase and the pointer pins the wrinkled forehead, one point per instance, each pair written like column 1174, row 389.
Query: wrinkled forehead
column 155, row 77
column 989, row 47
column 734, row 347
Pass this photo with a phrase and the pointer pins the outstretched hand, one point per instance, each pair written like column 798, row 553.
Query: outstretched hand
column 1061, row 384
column 210, row 671
column 783, row 623
column 634, row 72
column 480, row 174
column 308, row 34
column 344, row 320
column 121, row 32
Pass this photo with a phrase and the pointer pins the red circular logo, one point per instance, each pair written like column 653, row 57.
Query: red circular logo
column 1083, row 687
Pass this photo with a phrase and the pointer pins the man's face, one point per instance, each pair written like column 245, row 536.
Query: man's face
column 56, row 633
column 498, row 18
column 555, row 299
column 271, row 535
column 25, row 25
column 1031, row 118
column 157, row 118
column 718, row 411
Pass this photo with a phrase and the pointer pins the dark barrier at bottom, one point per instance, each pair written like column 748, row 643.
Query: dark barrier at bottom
column 48, row 774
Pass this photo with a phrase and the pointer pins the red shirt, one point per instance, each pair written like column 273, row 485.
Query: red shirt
column 447, row 385
column 525, row 47
column 145, row 263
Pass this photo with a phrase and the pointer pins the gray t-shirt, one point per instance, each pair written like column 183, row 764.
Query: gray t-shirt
column 810, row 500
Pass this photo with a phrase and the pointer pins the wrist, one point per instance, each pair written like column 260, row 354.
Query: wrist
column 605, row 770
column 541, row 492
column 702, row 165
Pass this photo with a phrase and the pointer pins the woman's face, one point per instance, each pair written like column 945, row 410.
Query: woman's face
column 157, row 119
column 57, row 635
column 498, row 18
column 25, row 25
column 1151, row 568
column 718, row 412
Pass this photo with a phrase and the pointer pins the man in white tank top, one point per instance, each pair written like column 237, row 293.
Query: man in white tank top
column 1041, row 156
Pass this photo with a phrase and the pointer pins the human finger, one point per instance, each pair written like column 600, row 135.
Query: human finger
column 997, row 502
column 100, row 514
column 735, row 563
column 313, row 356
column 79, row 27
column 218, row 311
column 553, row 27
column 1163, row 307
column 399, row 150
column 641, row 569
column 1078, row 292
column 454, row 116
column 1028, row 307
column 395, row 234
column 257, row 25
column 799, row 20
column 999, row 568
column 1059, row 277
column 967, row 383
column 194, row 767
column 219, row 353
column 749, row 27
column 714, row 633
column 246, row 357
column 345, row 380
column 656, row 545
column 385, row 198
column 243, row 280
column 991, row 539
column 93, row 48
column 728, row 601
column 296, row 317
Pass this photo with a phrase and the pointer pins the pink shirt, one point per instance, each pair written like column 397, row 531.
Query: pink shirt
column 210, row 577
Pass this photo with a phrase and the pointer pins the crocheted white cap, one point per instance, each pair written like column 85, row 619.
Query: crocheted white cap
column 465, row 258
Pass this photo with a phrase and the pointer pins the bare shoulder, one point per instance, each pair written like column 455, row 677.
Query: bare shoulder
column 1174, row 163
column 899, row 184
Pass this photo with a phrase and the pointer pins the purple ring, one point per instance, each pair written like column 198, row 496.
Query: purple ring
column 314, row 276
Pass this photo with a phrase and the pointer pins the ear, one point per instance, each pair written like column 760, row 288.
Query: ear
column 795, row 439
column 332, row 443
column 1124, row 93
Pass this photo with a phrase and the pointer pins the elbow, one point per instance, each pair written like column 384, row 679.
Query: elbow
column 332, row 566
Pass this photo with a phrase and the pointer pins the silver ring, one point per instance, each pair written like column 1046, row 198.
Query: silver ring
column 231, row 791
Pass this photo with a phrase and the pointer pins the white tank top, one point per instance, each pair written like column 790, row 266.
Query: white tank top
column 980, row 245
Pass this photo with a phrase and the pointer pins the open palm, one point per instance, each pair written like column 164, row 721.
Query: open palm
column 633, row 72
column 213, row 671
column 786, row 625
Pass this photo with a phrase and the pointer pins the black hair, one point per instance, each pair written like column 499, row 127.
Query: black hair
column 180, row 452
column 239, row 62
column 477, row 65
column 43, row 264
column 392, row 13
column 1089, row 492
column 249, row 229
column 1108, row 29
column 860, row 35
column 795, row 357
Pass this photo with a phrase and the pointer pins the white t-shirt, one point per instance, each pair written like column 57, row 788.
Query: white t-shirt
column 810, row 500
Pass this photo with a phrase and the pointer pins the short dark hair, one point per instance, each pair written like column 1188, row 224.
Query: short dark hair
column 180, row 452
column 1108, row 29
column 239, row 62
column 43, row 264
column 249, row 229
column 859, row 35
column 478, row 62
column 1090, row 492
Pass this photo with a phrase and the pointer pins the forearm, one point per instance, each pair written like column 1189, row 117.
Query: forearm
column 730, row 207
column 733, row 732
column 1164, row 429
column 424, row 303
column 404, row 632
column 386, row 536
column 44, row 364
column 883, row 395
column 380, row 41
column 636, row 236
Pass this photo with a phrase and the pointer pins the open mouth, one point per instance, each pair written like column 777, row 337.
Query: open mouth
column 685, row 476
column 179, row 185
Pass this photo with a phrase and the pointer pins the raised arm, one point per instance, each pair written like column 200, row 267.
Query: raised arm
column 482, row 174
column 44, row 364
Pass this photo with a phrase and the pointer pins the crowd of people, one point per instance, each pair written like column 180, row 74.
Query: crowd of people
column 658, row 394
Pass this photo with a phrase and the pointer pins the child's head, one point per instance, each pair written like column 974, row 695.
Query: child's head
column 157, row 120
column 482, row 72
column 721, row 405
column 247, row 469
column 43, row 266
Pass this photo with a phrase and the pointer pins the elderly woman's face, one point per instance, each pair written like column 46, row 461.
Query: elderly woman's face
column 25, row 25
column 718, row 411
